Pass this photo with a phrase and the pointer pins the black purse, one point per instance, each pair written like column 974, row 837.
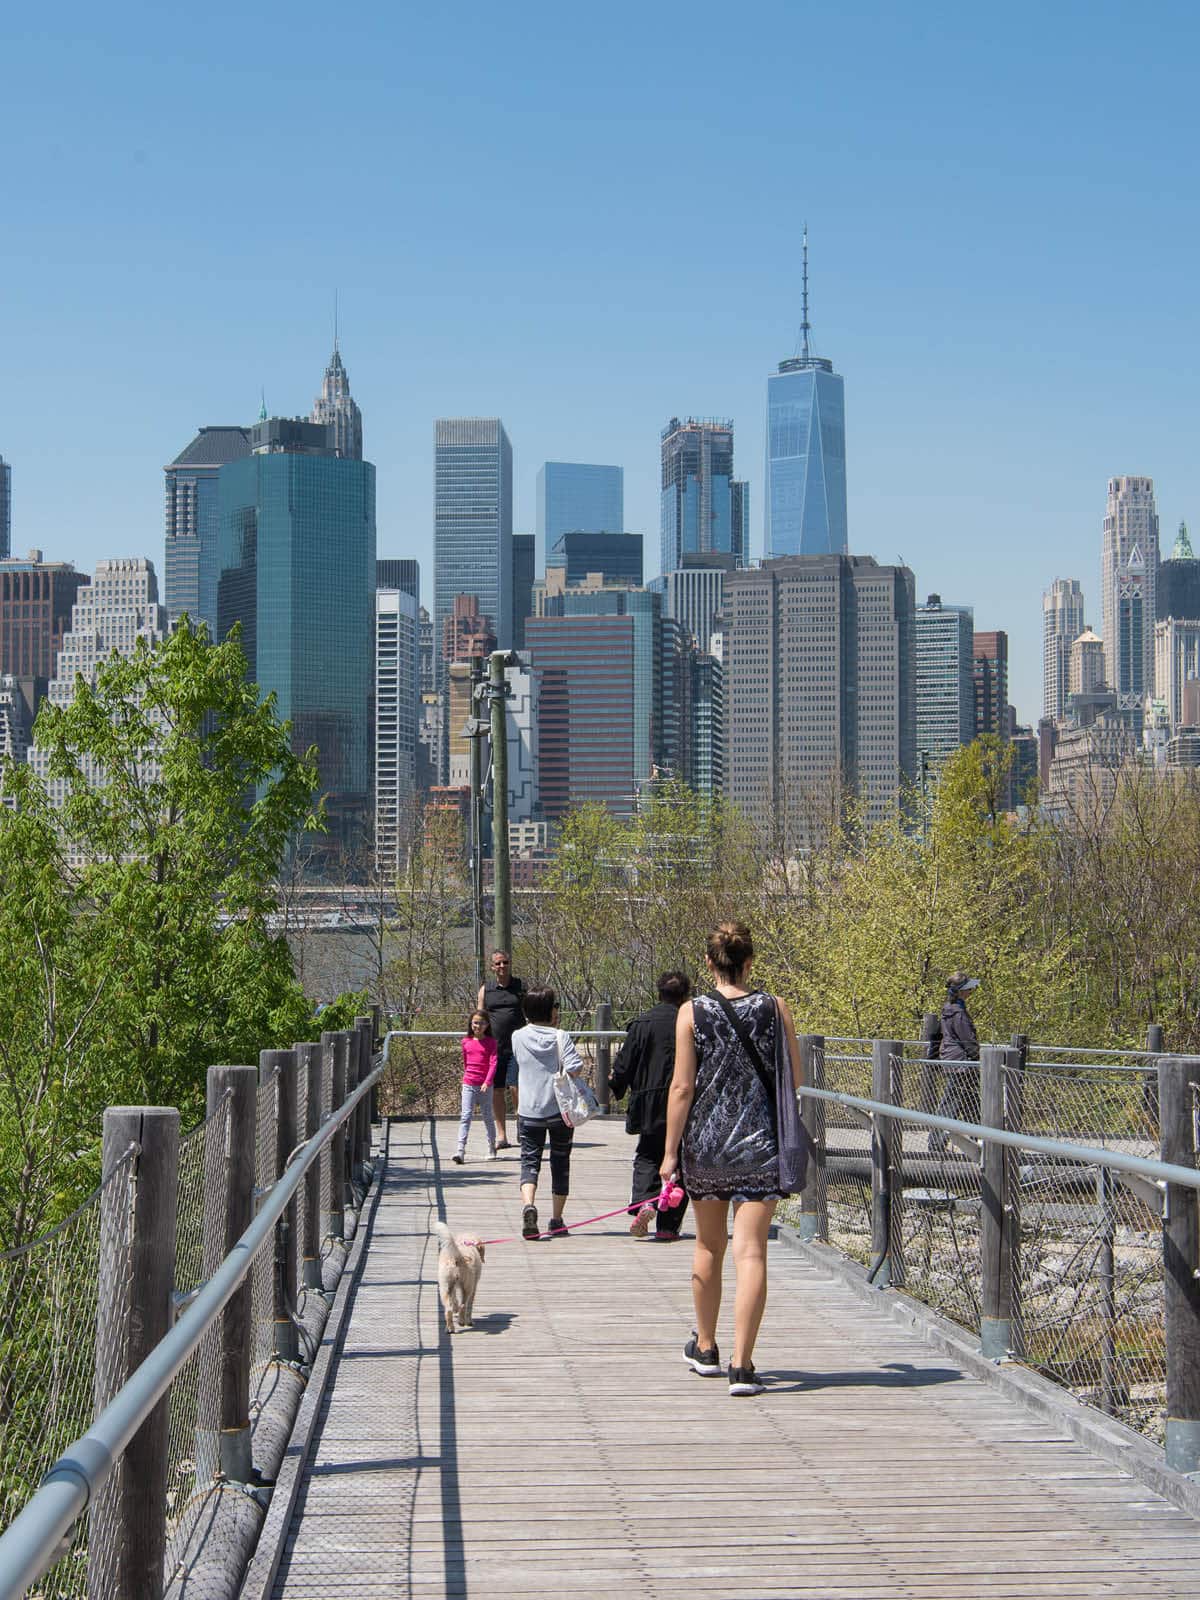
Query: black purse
column 792, row 1137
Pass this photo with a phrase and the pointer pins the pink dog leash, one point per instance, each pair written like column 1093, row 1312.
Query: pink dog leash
column 672, row 1195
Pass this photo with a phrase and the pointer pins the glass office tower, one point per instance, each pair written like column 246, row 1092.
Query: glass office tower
column 193, row 522
column 297, row 570
column 577, row 497
column 472, row 521
column 704, row 507
column 806, row 452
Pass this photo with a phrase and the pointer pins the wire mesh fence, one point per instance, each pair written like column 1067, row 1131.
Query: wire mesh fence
column 844, row 1187
column 192, row 1437
column 48, row 1300
column 262, row 1273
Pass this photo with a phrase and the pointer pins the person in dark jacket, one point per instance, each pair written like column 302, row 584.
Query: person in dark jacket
column 958, row 1045
column 644, row 1067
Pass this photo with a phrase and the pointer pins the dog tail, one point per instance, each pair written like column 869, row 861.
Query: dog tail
column 449, row 1243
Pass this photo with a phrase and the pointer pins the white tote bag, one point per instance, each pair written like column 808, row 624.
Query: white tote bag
column 576, row 1102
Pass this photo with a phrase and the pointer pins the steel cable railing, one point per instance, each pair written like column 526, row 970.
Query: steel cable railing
column 35, row 1539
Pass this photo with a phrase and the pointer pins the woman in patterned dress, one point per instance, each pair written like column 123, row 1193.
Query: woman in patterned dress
column 721, row 1144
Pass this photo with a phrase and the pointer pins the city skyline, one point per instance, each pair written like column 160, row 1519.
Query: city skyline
column 965, row 268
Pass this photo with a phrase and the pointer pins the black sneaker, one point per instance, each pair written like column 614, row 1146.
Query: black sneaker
column 529, row 1223
column 744, row 1380
column 706, row 1362
column 458, row 1160
column 557, row 1225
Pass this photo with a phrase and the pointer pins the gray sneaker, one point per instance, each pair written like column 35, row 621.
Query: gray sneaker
column 706, row 1362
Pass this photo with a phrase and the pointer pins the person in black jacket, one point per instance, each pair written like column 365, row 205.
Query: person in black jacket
column 644, row 1068
column 958, row 1045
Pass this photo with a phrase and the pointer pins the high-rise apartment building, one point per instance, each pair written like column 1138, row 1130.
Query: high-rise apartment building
column 1062, row 623
column 523, row 563
column 806, row 451
column 396, row 653
column 617, row 557
column 192, row 519
column 335, row 408
column 818, row 660
column 704, row 507
column 706, row 769
column 524, row 798
column 1178, row 591
column 599, row 661
column 693, row 595
column 577, row 497
column 1129, row 577
column 990, row 675
column 943, row 680
column 472, row 521
column 297, row 571
column 36, row 601
column 5, row 509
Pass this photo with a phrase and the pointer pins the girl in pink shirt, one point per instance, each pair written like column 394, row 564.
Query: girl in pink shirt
column 479, row 1068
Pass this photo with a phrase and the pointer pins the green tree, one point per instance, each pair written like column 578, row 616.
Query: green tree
column 135, row 891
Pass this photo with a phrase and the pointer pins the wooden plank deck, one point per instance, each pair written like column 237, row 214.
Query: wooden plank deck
column 562, row 1448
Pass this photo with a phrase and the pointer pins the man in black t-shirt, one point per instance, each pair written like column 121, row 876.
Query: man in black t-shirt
column 644, row 1068
column 500, row 997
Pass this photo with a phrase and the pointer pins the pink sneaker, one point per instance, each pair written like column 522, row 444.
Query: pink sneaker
column 640, row 1225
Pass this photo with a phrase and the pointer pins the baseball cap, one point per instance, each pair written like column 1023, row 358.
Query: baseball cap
column 959, row 983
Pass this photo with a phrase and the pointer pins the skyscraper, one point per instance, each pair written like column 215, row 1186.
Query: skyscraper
column 693, row 594
column 818, row 688
column 5, row 509
column 336, row 409
column 806, row 451
column 1062, row 623
column 523, row 564
column 599, row 661
column 193, row 522
column 704, row 507
column 1129, row 577
column 1176, row 662
column 36, row 602
column 577, row 497
column 616, row 556
column 991, row 683
column 472, row 521
column 1178, row 592
column 297, row 560
column 399, row 572
column 396, row 654
column 943, row 679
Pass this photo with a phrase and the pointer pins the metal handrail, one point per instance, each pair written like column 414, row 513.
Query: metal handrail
column 32, row 1541
column 1088, row 1155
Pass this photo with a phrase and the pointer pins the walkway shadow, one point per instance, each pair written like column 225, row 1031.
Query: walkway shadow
column 494, row 1322
column 892, row 1375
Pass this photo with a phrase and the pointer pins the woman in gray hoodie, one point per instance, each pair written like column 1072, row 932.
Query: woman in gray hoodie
column 541, row 1049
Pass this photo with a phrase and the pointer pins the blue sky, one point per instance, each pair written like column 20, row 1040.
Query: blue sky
column 585, row 221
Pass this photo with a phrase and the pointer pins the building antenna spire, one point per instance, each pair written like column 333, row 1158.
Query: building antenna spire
column 335, row 321
column 805, row 325
column 262, row 414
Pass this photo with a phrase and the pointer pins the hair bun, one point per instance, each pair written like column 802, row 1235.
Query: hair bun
column 729, row 947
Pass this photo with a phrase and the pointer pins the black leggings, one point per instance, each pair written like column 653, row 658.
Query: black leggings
column 531, row 1132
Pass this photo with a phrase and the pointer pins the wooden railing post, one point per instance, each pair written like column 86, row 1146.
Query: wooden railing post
column 1000, row 1107
column 603, row 1055
column 1178, row 1077
column 362, row 1116
column 813, row 1222
column 282, row 1066
column 1155, row 1045
column 377, row 1033
column 308, row 1057
column 136, row 1278
column 887, row 1265
column 338, row 1044
column 223, row 1420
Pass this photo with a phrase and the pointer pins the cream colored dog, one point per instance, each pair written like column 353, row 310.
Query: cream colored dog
column 460, row 1264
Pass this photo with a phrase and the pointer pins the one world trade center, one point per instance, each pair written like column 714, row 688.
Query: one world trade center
column 806, row 452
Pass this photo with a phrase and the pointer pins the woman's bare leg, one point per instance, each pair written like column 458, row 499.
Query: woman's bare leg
column 712, row 1233
column 751, row 1223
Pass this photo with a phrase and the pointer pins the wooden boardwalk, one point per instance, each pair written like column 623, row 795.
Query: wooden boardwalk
column 563, row 1449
